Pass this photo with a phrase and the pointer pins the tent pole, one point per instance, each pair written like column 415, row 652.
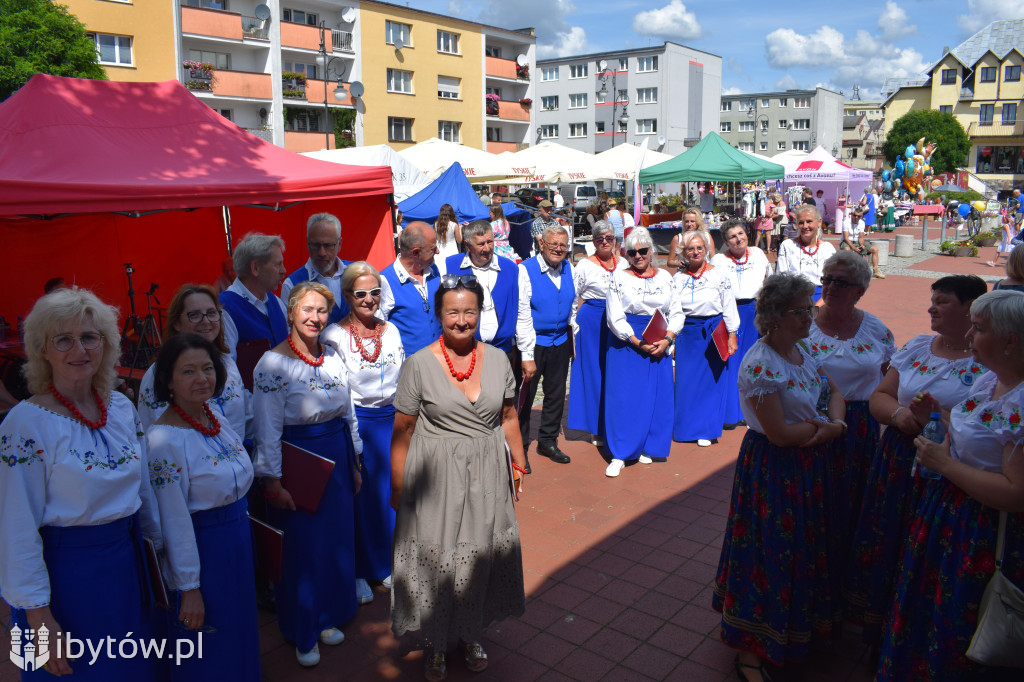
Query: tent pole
column 226, row 213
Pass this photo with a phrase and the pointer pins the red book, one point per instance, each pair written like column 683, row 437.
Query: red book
column 156, row 575
column 656, row 329
column 511, row 474
column 268, row 545
column 249, row 353
column 522, row 396
column 721, row 338
column 304, row 475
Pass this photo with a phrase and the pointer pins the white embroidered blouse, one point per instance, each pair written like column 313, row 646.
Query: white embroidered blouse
column 373, row 384
column 632, row 295
column 980, row 427
column 748, row 274
column 809, row 262
column 948, row 381
column 593, row 280
column 855, row 364
column 764, row 371
column 709, row 294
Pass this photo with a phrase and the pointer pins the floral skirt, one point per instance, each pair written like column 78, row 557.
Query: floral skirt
column 774, row 587
column 850, row 460
column 947, row 561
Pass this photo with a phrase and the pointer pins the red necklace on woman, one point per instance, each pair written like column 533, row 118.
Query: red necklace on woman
column 313, row 363
column 375, row 339
column 703, row 267
column 459, row 376
column 817, row 245
column 746, row 257
column 615, row 262
column 77, row 414
column 654, row 271
column 212, row 430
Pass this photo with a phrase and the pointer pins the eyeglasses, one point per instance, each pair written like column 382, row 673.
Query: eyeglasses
column 453, row 281
column 557, row 248
column 802, row 312
column 196, row 316
column 609, row 239
column 65, row 342
column 632, row 253
column 693, row 249
column 363, row 293
column 827, row 281
column 326, row 246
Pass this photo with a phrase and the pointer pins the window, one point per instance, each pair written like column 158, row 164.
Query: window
column 1012, row 73
column 949, row 76
column 1009, row 113
column 621, row 127
column 764, row 146
column 399, row 129
column 578, row 100
column 577, row 130
column 309, row 70
column 299, row 17
column 493, row 134
column 801, row 102
column 726, row 127
column 646, row 64
column 549, row 132
column 988, row 74
column 622, row 96
column 764, row 125
column 746, row 126
column 853, row 153
column 494, row 91
column 394, row 30
column 623, row 64
column 986, row 112
column 577, row 71
column 799, row 146
column 746, row 104
column 745, row 147
column 726, row 105
column 399, row 81
column 598, row 127
column 206, row 4
column 447, row 42
column 447, row 87
column 646, row 95
column 549, row 102
column 1000, row 160
column 493, row 51
column 781, row 146
column 783, row 124
column 646, row 126
column 226, row 113
column 110, row 49
column 304, row 121
column 549, row 73
column 782, row 101
column 765, row 102
column 802, row 124
column 220, row 60
column 449, row 131
column 946, row 109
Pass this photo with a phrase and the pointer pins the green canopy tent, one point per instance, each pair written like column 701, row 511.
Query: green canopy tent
column 712, row 160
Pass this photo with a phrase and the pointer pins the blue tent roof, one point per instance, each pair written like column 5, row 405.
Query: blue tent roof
column 451, row 187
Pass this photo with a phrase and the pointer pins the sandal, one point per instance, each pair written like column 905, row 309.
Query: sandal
column 758, row 668
column 436, row 669
column 476, row 657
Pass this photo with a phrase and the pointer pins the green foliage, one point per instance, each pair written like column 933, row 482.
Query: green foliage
column 950, row 248
column 37, row 36
column 952, row 143
column 289, row 92
column 963, row 197
column 344, row 123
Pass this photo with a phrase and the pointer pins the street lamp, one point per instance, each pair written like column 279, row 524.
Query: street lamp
column 339, row 92
column 602, row 94
column 760, row 121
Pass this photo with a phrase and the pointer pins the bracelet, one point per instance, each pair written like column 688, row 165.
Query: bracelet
column 844, row 424
column 271, row 497
column 892, row 417
column 519, row 468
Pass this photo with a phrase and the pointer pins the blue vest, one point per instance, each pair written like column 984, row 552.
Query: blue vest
column 251, row 323
column 550, row 306
column 505, row 296
column 415, row 319
column 340, row 309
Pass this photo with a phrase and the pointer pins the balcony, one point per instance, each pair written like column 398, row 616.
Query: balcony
column 315, row 93
column 266, row 134
column 500, row 68
column 255, row 28
column 499, row 147
column 211, row 22
column 966, row 94
column 341, row 41
column 511, row 111
column 300, row 36
column 225, row 83
column 298, row 142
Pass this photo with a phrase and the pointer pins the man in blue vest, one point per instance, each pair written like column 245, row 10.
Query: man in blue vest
column 323, row 239
column 547, row 313
column 251, row 310
column 408, row 286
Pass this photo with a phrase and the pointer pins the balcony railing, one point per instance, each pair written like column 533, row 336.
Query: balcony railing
column 266, row 133
column 253, row 27
column 341, row 40
column 293, row 88
column 966, row 94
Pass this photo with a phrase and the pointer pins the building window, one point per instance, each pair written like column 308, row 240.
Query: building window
column 493, row 134
column 577, row 71
column 206, row 4
column 449, row 131
column 577, row 130
column 646, row 64
column 726, row 105
column 598, row 127
column 946, row 109
column 578, row 100
column 220, row 60
column 802, row 124
column 303, row 121
column 400, row 81
column 622, row 96
column 646, row 95
column 746, row 147
column 549, row 132
column 799, row 146
column 447, row 87
column 447, row 42
column 1009, row 114
column 226, row 113
column 746, row 126
column 986, row 112
column 1000, row 160
column 746, row 104
column 764, row 146
column 646, row 126
column 493, row 51
column 399, row 129
column 549, row 73
column 782, row 101
column 781, row 146
column 783, row 124
column 620, row 127
column 623, row 64
column 116, row 50
column 494, row 91
column 549, row 102
column 394, row 30
column 725, row 127
column 988, row 74
column 949, row 76
column 764, row 125
column 801, row 102
column 1012, row 73
column 765, row 102
column 300, row 17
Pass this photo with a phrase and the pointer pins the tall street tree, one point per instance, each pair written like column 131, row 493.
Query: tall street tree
column 38, row 36
column 952, row 144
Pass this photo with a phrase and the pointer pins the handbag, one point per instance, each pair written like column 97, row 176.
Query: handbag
column 999, row 638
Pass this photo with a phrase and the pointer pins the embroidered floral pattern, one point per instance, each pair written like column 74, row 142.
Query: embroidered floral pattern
column 24, row 452
column 819, row 349
column 760, row 370
column 968, row 406
column 229, row 452
column 976, row 370
column 148, row 398
column 862, row 348
column 923, row 368
column 792, row 385
column 269, row 384
column 92, row 460
column 163, row 473
column 323, row 383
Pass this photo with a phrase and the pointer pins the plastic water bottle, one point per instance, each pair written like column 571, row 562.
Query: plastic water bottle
column 823, row 395
column 935, row 432
column 21, row 330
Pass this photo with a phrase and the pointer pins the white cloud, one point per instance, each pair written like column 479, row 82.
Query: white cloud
column 671, row 21
column 786, row 48
column 983, row 12
column 573, row 41
column 787, row 82
column 555, row 36
column 732, row 91
column 892, row 22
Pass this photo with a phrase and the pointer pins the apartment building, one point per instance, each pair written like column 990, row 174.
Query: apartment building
column 667, row 94
column 768, row 123
column 135, row 40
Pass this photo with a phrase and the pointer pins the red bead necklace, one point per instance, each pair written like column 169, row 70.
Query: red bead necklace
column 375, row 339
column 633, row 271
column 746, row 257
column 212, row 430
column 76, row 413
column 703, row 268
column 817, row 245
column 615, row 262
column 313, row 363
column 459, row 376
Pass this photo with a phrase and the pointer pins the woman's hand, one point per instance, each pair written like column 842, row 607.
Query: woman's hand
column 192, row 613
column 922, row 407
column 823, row 433
column 733, row 344
column 276, row 495
column 357, row 480
column 932, row 455
column 57, row 665
column 906, row 422
column 658, row 349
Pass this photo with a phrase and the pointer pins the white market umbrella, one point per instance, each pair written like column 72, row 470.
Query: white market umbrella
column 434, row 156
column 406, row 177
column 624, row 158
column 557, row 163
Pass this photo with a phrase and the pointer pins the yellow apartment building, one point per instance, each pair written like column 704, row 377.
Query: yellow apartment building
column 135, row 39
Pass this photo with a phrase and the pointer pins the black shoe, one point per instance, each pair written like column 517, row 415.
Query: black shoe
column 729, row 427
column 553, row 453
column 527, row 467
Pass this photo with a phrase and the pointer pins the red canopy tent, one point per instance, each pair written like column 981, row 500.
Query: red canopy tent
column 94, row 174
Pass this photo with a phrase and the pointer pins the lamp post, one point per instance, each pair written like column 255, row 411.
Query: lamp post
column 339, row 92
column 760, row 120
column 603, row 93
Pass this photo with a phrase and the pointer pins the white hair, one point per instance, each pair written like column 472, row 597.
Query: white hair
column 326, row 219
column 638, row 238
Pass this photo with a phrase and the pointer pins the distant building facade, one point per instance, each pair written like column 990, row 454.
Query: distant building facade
column 769, row 123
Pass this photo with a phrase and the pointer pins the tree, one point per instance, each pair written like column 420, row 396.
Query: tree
column 952, row 144
column 37, row 36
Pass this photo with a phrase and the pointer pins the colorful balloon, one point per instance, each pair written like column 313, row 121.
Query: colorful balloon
column 888, row 185
column 909, row 152
column 909, row 168
column 963, row 210
column 886, row 174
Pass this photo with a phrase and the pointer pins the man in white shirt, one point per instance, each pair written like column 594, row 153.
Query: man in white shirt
column 251, row 310
column 853, row 230
column 558, row 200
column 408, row 286
column 323, row 239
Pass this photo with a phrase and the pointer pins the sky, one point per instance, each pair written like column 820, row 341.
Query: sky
column 764, row 46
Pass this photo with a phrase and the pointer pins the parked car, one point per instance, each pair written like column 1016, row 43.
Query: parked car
column 531, row 196
column 579, row 198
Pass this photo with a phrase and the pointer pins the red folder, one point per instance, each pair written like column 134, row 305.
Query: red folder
column 511, row 474
column 268, row 545
column 156, row 575
column 248, row 354
column 304, row 475
column 656, row 329
column 522, row 396
column 721, row 338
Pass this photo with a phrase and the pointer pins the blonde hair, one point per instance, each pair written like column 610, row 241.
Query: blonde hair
column 303, row 288
column 1015, row 263
column 354, row 271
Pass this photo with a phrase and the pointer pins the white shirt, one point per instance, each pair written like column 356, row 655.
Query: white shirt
column 289, row 391
column 387, row 299
column 558, row 200
column 230, row 330
column 763, row 371
column 372, row 384
column 487, row 276
column 980, row 427
column 809, row 263
column 709, row 294
column 632, row 295
column 449, row 247
column 746, row 276
column 948, row 381
column 593, row 279
column 332, row 282
column 852, row 232
column 191, row 472
column 526, row 337
column 855, row 364
column 56, row 471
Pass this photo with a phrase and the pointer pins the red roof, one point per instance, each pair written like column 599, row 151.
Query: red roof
column 809, row 166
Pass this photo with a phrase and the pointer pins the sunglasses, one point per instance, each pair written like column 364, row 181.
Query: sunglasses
column 833, row 282
column 632, row 253
column 610, row 239
column 453, row 281
column 363, row 293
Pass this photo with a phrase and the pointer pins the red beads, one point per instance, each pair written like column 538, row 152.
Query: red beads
column 459, row 376
column 313, row 363
column 77, row 414
column 211, row 431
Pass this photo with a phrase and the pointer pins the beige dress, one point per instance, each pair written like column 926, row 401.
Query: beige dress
column 457, row 563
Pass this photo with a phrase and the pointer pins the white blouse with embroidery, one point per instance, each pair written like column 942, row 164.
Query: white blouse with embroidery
column 764, row 371
column 288, row 391
column 593, row 279
column 809, row 262
column 191, row 472
column 948, row 381
column 632, row 295
column 234, row 403
column 373, row 384
column 855, row 364
column 709, row 294
column 56, row 471
column 980, row 427
column 747, row 275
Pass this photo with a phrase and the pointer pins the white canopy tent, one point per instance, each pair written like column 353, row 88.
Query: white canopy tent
column 789, row 160
column 434, row 156
column 623, row 160
column 406, row 177
column 553, row 162
column 821, row 170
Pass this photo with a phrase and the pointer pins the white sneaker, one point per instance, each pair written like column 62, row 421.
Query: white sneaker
column 644, row 459
column 310, row 658
column 614, row 468
column 597, row 442
column 387, row 582
column 364, row 593
column 331, row 637
column 704, row 442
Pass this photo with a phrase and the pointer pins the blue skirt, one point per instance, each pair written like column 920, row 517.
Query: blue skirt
column 99, row 588
column 817, row 293
column 586, row 374
column 746, row 336
column 317, row 590
column 946, row 562
column 231, row 646
column 375, row 519
column 638, row 398
column 850, row 460
column 701, row 382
